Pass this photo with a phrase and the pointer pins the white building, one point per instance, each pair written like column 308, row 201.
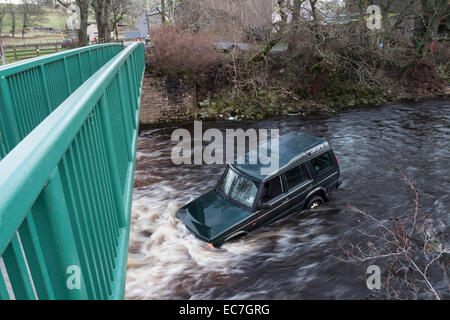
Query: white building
column 92, row 32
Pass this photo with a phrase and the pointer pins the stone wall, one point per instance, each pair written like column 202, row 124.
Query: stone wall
column 166, row 100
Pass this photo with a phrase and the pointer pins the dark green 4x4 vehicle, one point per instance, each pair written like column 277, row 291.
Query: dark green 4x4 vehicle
column 245, row 200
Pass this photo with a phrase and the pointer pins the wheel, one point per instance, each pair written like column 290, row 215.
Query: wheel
column 314, row 203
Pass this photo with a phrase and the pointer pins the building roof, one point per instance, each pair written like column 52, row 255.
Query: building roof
column 293, row 147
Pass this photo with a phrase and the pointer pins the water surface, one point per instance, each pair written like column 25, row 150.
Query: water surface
column 297, row 258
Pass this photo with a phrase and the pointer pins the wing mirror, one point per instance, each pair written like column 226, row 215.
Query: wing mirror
column 264, row 205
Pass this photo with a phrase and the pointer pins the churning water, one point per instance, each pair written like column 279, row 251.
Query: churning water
column 297, row 258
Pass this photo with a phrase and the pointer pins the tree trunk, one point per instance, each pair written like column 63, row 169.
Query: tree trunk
column 296, row 10
column 1, row 51
column 312, row 3
column 13, row 22
column 84, row 12
column 278, row 36
column 2, row 17
column 24, row 26
column 102, row 10
column 163, row 12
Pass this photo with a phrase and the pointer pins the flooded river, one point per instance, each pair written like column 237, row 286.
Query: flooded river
column 297, row 258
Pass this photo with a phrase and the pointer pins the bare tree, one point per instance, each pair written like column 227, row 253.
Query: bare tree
column 423, row 16
column 3, row 9
column 328, row 45
column 433, row 11
column 118, row 9
column 31, row 13
column 416, row 256
column 12, row 12
column 280, row 26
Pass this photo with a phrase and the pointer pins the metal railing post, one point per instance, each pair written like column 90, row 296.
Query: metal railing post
column 66, row 70
column 10, row 138
column 45, row 84
column 125, row 114
column 112, row 159
column 62, row 232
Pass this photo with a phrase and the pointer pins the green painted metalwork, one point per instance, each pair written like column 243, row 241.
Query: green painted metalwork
column 66, row 187
column 30, row 90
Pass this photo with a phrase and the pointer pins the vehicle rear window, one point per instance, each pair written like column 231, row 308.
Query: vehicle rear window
column 294, row 177
column 322, row 163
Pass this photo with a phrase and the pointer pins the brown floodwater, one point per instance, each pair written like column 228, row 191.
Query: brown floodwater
column 297, row 258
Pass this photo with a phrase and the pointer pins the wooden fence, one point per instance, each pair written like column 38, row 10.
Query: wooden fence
column 26, row 51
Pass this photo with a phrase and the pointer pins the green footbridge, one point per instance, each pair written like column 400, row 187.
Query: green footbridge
column 68, row 135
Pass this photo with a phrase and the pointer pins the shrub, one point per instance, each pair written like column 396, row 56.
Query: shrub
column 423, row 79
column 178, row 52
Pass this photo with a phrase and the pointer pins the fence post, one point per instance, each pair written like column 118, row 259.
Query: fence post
column 15, row 53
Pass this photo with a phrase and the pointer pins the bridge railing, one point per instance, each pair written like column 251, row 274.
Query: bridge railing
column 65, row 191
column 30, row 90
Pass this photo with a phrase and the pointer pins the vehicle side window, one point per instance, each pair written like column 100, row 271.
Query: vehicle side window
column 272, row 189
column 294, row 177
column 305, row 172
column 322, row 163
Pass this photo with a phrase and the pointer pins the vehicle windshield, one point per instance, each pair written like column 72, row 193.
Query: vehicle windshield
column 239, row 188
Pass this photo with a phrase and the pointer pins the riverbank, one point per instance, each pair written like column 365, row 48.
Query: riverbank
column 339, row 73
column 336, row 96
column 226, row 108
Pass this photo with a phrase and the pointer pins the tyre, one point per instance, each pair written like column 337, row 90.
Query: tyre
column 314, row 203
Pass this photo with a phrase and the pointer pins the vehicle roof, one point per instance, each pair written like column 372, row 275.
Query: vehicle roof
column 293, row 147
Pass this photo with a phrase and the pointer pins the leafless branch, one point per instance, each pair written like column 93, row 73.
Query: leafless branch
column 409, row 246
